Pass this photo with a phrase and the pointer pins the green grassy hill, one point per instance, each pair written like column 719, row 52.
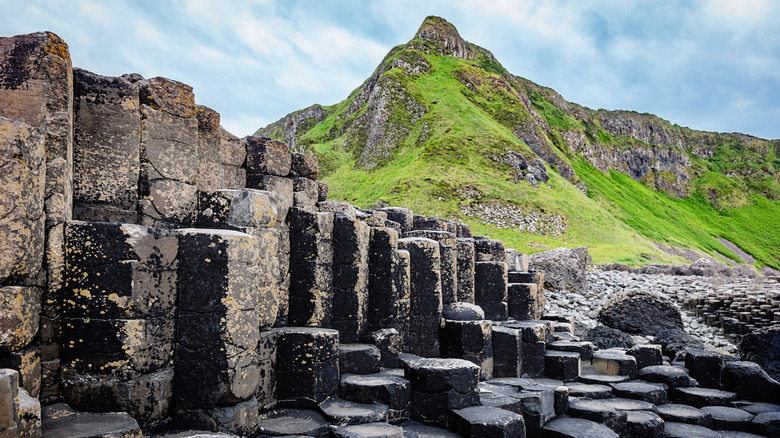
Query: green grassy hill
column 443, row 129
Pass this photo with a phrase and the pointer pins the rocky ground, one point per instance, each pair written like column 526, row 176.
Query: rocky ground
column 603, row 285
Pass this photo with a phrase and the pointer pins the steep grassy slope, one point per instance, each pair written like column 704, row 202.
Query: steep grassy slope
column 443, row 129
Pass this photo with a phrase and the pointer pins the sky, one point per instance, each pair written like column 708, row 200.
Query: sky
column 712, row 65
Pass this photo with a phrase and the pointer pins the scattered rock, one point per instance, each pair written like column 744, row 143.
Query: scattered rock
column 640, row 314
column 564, row 269
column 605, row 337
column 763, row 347
column 675, row 341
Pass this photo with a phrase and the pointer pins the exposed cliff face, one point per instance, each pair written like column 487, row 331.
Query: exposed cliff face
column 292, row 126
column 437, row 35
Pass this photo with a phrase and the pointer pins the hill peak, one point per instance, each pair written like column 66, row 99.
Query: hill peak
column 442, row 37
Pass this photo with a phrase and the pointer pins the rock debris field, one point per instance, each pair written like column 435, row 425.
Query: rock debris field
column 604, row 285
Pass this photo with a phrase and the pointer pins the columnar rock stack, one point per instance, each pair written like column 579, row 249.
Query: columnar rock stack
column 745, row 308
column 119, row 326
column 201, row 281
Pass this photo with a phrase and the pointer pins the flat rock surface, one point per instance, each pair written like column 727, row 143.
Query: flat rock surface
column 758, row 407
column 591, row 376
column 371, row 430
column 591, row 391
column 701, row 397
column 293, row 422
column 677, row 413
column 343, row 412
column 577, row 428
column 650, row 392
column 682, row 430
column 87, row 424
column 413, row 429
column 196, row 434
column 616, row 403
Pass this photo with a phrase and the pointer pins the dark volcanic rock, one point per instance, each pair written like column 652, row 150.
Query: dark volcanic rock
column 701, row 397
column 750, row 381
column 671, row 412
column 487, row 421
column 463, row 312
column 641, row 314
column 576, row 428
column 293, row 422
column 724, row 417
column 683, row 430
column 605, row 337
column 675, row 340
column 642, row 424
column 672, row 376
column 763, row 347
column 97, row 424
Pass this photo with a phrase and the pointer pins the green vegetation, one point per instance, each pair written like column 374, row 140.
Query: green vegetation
column 691, row 222
column 447, row 124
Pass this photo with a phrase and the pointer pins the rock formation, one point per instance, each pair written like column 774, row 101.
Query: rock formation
column 158, row 274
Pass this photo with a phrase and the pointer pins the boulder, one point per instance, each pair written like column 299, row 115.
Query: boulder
column 675, row 340
column 564, row 268
column 605, row 337
column 763, row 347
column 640, row 314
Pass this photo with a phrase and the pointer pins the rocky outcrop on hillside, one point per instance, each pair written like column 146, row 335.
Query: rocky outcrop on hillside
column 292, row 126
column 439, row 36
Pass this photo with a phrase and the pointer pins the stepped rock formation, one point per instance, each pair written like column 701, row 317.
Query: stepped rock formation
column 159, row 274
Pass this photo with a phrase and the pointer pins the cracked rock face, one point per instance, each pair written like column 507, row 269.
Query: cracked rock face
column 21, row 201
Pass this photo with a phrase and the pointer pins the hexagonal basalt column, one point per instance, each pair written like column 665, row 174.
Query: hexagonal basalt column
column 425, row 295
column 219, row 319
column 307, row 370
column 490, row 289
column 311, row 268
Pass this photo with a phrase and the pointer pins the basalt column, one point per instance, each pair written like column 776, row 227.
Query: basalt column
column 401, row 275
column 466, row 258
column 21, row 252
column 254, row 212
column 218, row 330
column 311, row 268
column 383, row 292
column 449, row 261
column 350, row 277
column 36, row 89
column 425, row 295
column 119, row 328
column 106, row 148
column 490, row 289
column 268, row 163
column 221, row 155
column 169, row 154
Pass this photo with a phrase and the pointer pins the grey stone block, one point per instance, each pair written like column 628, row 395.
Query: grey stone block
column 107, row 139
column 267, row 156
